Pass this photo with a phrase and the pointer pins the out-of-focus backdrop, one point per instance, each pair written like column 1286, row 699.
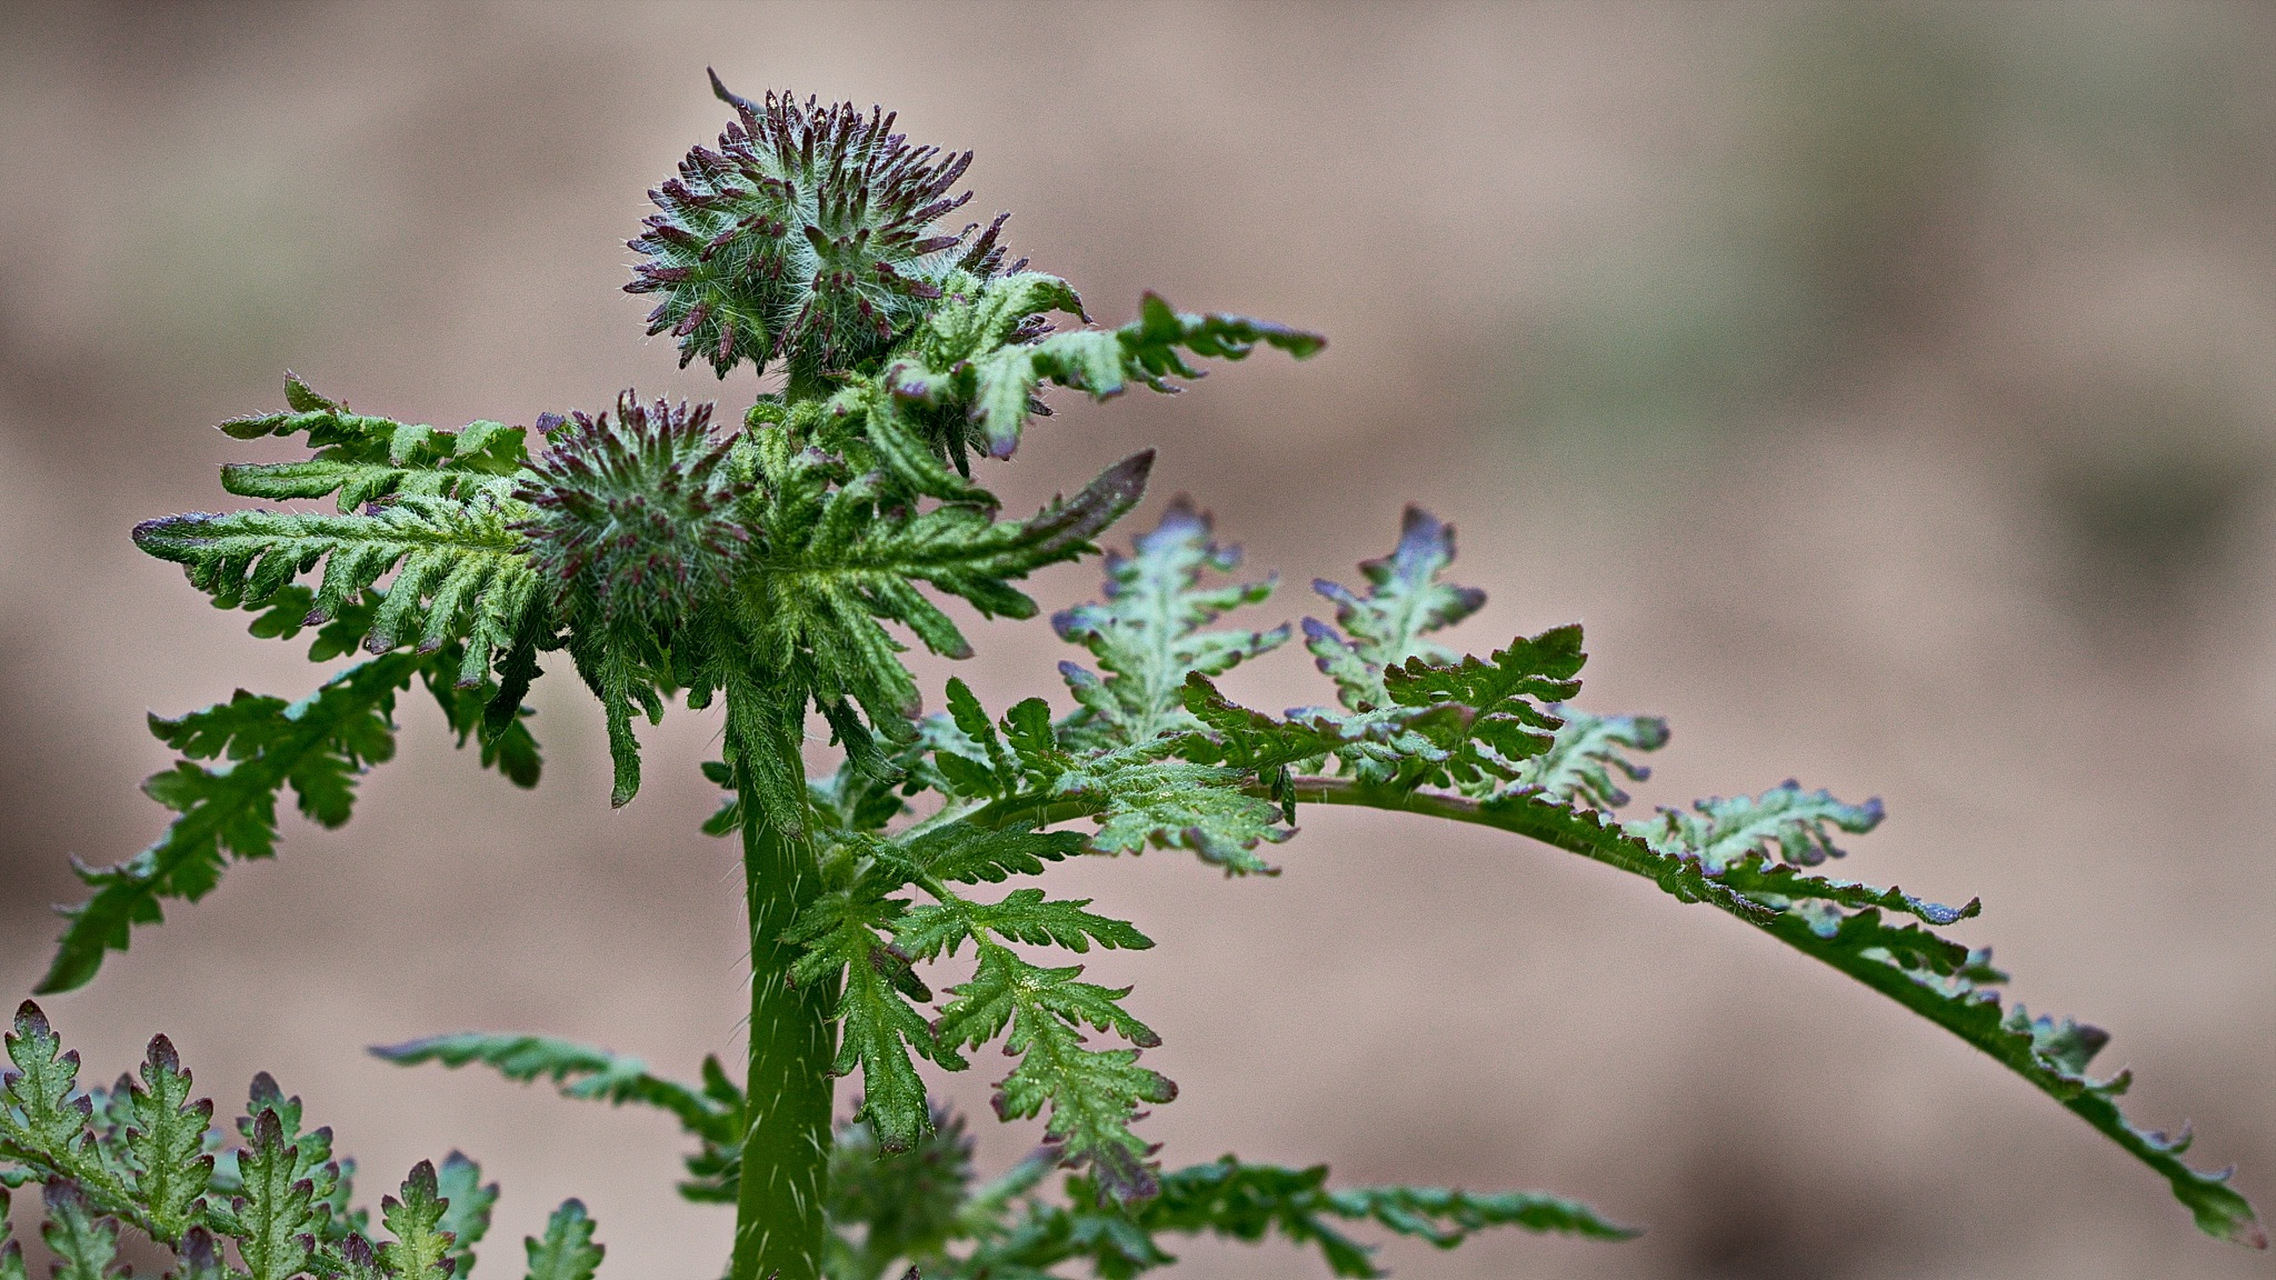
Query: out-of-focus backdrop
column 1889, row 389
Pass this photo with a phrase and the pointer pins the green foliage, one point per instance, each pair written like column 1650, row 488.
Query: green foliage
column 165, row 1146
column 365, row 460
column 1579, row 765
column 781, row 567
column 566, row 1251
column 1148, row 632
column 891, row 1205
column 1746, row 855
column 421, row 1249
column 143, row 1156
column 85, row 1243
column 11, row 1249
column 712, row 1113
column 969, row 356
column 259, row 746
column 1405, row 602
column 1249, row 1202
column 922, row 1208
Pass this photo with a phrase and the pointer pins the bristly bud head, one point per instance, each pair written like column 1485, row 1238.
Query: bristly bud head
column 811, row 235
column 635, row 516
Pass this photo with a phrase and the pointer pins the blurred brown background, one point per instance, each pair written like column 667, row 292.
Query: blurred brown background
column 1887, row 387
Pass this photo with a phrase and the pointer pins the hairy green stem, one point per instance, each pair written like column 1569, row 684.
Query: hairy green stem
column 780, row 1226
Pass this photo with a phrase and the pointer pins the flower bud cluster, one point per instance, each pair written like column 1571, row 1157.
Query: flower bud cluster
column 635, row 516
column 809, row 235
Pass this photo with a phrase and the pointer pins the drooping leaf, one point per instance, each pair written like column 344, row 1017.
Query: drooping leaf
column 1847, row 926
column 581, row 1070
column 262, row 745
column 879, row 1030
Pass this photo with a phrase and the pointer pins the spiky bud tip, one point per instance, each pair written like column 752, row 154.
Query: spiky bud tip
column 811, row 235
column 635, row 516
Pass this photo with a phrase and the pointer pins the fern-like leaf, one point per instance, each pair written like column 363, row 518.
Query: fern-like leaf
column 42, row 1116
column 316, row 746
column 964, row 358
column 11, row 1250
column 85, row 1244
column 466, row 1215
column 459, row 571
column 1237, row 1200
column 1405, row 602
column 165, row 1145
column 1092, row 1095
column 364, row 459
column 275, row 1214
column 1794, row 824
column 566, row 1251
column 1584, row 754
column 581, row 1070
column 422, row 1247
column 1147, row 633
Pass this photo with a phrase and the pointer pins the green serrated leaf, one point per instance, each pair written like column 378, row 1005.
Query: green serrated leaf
column 1844, row 925
column 1587, row 751
column 1237, row 1200
column 1176, row 804
column 466, row 1218
column 1485, row 716
column 459, row 569
column 1148, row 635
column 1024, row 915
column 41, row 1112
column 422, row 1248
column 275, row 1213
column 581, row 1070
column 85, row 1243
column 1793, row 824
column 1386, row 627
column 1092, row 1095
column 365, row 459
column 317, row 746
column 165, row 1147
column 566, row 1251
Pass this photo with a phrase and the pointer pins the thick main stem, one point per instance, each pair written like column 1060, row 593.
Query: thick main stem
column 779, row 1222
